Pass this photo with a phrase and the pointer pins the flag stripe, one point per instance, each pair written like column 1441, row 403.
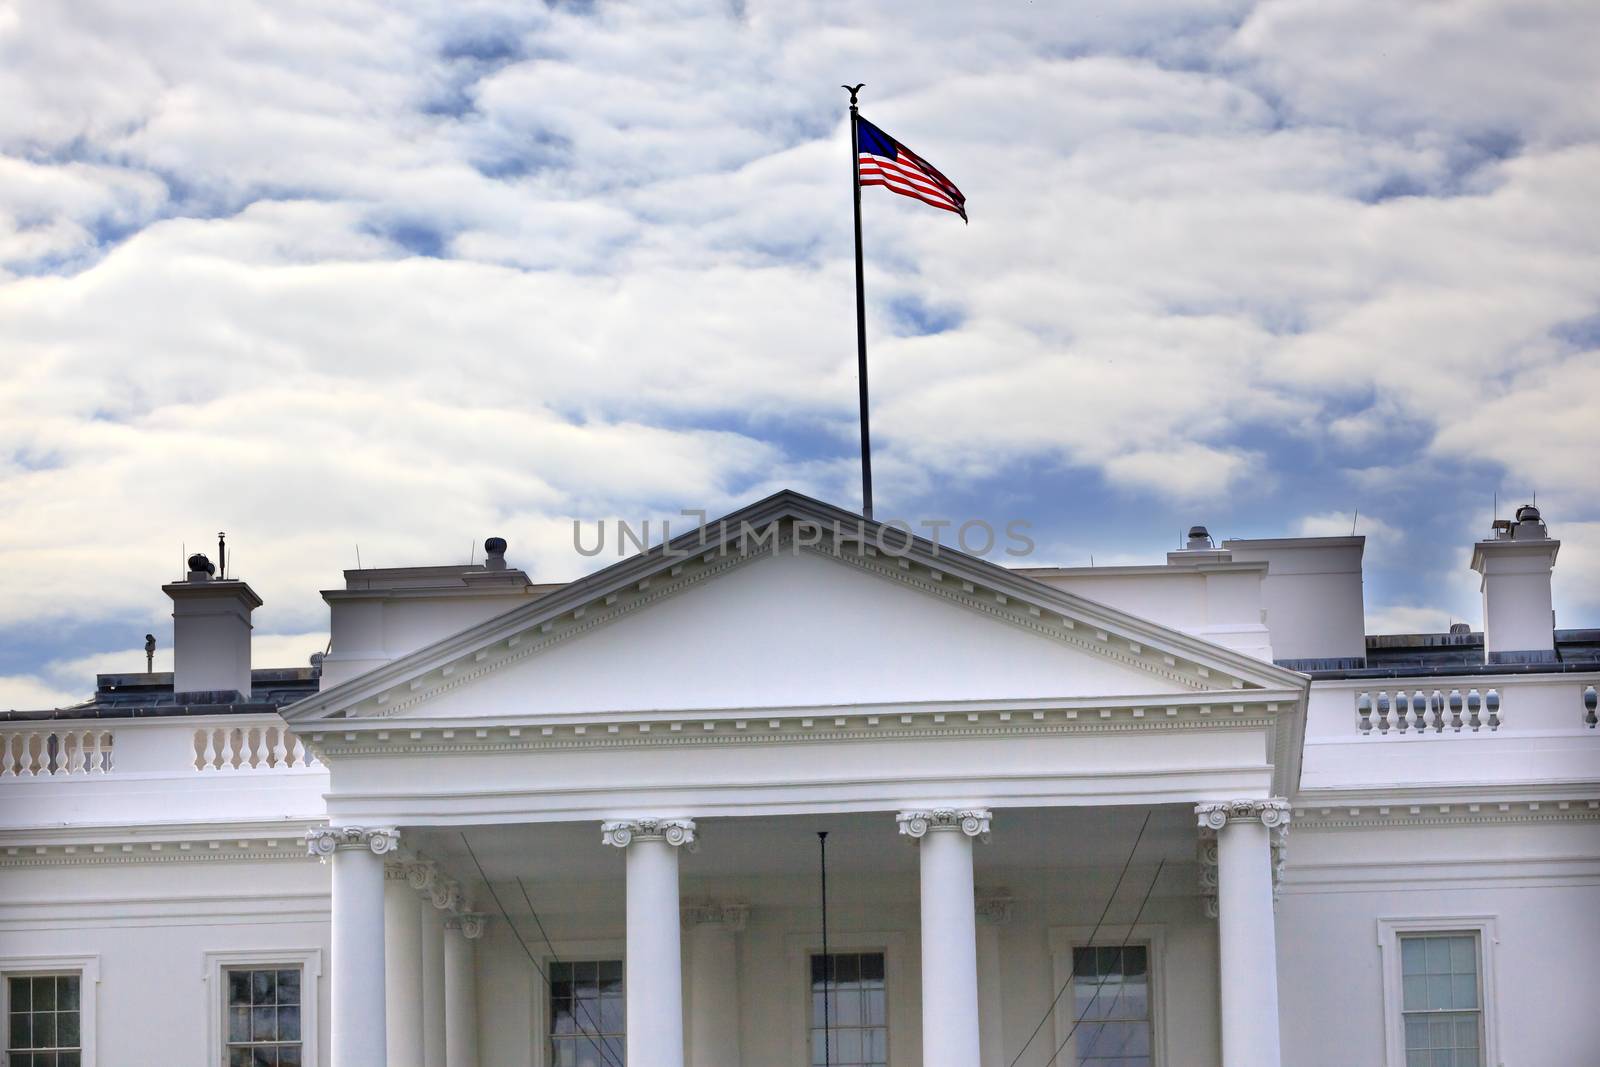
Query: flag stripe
column 909, row 174
column 897, row 186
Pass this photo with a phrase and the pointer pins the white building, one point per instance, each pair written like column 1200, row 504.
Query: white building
column 1190, row 804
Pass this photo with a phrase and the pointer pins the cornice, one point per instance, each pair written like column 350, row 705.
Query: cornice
column 758, row 727
column 1401, row 815
column 145, row 851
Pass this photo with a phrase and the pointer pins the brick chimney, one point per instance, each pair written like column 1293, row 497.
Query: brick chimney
column 211, row 634
column 1518, row 623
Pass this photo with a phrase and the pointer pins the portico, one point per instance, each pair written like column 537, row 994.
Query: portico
column 582, row 744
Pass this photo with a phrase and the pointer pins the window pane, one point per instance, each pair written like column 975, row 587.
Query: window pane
column 263, row 987
column 1412, row 957
column 289, row 1056
column 263, row 1024
column 288, row 987
column 872, row 967
column 21, row 994
column 44, row 994
column 44, row 1027
column 21, row 1030
column 67, row 1029
column 238, row 987
column 288, row 1024
column 1438, row 951
column 67, row 992
column 238, row 1024
column 1463, row 955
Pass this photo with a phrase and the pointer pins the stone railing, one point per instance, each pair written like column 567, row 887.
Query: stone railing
column 1417, row 712
column 249, row 748
column 50, row 753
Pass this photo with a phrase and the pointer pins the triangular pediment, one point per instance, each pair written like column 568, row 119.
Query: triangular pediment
column 792, row 604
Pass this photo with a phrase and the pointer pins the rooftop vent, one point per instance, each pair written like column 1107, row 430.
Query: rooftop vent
column 200, row 568
column 1199, row 537
column 1460, row 628
column 494, row 553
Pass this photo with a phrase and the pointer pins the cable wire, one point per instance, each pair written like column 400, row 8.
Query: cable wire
column 1099, row 985
column 598, row 1045
column 1103, row 913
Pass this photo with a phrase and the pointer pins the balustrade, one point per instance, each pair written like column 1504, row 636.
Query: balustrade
column 249, row 748
column 50, row 753
column 1416, row 712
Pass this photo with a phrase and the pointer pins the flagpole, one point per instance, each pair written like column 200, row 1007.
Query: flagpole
column 861, row 306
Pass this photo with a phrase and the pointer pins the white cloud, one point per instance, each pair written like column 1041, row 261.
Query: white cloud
column 1194, row 224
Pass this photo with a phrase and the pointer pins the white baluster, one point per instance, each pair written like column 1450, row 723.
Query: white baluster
column 1383, row 711
column 77, row 759
column 55, row 759
column 7, row 767
column 97, row 754
column 1474, row 703
column 1455, row 710
column 1437, row 701
column 230, row 750
column 280, row 746
column 1491, row 704
column 1419, row 708
column 1591, row 707
column 1402, row 711
column 208, row 755
column 1364, row 712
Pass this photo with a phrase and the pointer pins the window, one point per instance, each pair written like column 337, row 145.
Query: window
column 44, row 1020
column 851, row 987
column 1111, row 1006
column 588, row 1014
column 263, row 1017
column 1441, row 1002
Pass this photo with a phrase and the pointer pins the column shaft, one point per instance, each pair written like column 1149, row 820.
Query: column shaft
column 433, row 1035
column 402, row 931
column 949, row 952
column 712, row 950
column 357, row 997
column 655, row 960
column 460, row 997
column 1246, row 930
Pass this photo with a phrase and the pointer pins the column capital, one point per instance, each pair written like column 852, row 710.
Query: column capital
column 469, row 923
column 326, row 840
column 730, row 917
column 421, row 874
column 446, row 893
column 623, row 832
column 1273, row 813
column 974, row 822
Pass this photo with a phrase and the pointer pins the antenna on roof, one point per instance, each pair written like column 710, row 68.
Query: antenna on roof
column 149, row 653
column 1497, row 505
column 358, row 557
column 183, row 560
column 1353, row 520
column 222, row 555
column 472, row 552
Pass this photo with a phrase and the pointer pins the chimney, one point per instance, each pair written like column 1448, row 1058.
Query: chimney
column 1518, row 624
column 211, row 634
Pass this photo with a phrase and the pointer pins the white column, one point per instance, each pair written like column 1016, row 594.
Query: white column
column 949, row 933
column 432, row 986
column 461, row 990
column 1246, row 932
column 994, row 911
column 654, row 955
column 402, row 967
column 712, row 933
column 357, row 964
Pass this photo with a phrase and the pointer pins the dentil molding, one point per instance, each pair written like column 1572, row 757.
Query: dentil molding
column 623, row 832
column 327, row 840
column 974, row 822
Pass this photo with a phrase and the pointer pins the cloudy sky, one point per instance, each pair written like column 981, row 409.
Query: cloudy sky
column 403, row 276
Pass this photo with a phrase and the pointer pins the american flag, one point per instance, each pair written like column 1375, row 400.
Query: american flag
column 884, row 161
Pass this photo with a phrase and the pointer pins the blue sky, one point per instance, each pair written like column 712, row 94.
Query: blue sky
column 403, row 276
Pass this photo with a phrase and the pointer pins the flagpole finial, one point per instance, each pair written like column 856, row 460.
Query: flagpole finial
column 853, row 90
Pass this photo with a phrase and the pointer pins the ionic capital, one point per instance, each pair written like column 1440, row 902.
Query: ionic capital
column 623, row 832
column 730, row 917
column 994, row 906
column 325, row 841
column 1272, row 813
column 422, row 874
column 446, row 893
column 469, row 923
column 973, row 822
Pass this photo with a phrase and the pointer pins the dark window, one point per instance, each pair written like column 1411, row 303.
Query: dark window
column 263, row 1023
column 588, row 1015
column 44, row 1023
column 850, row 985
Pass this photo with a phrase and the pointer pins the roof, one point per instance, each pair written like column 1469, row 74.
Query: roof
column 1422, row 655
column 139, row 696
